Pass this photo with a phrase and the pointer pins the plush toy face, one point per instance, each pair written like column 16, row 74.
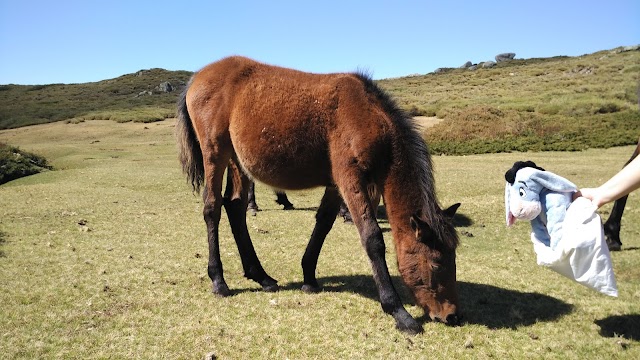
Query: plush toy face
column 524, row 202
column 522, row 198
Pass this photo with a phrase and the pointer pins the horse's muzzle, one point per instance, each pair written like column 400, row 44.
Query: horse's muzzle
column 450, row 320
column 453, row 320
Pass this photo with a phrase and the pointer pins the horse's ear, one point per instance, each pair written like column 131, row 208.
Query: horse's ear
column 450, row 212
column 421, row 228
column 415, row 225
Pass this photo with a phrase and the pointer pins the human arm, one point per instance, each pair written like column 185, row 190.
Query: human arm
column 621, row 184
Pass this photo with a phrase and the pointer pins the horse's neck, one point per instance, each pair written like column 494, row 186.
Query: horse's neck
column 403, row 197
column 408, row 188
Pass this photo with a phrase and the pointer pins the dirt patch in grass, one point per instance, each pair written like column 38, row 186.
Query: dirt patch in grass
column 425, row 122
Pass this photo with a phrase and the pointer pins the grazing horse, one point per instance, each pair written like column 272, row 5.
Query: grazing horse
column 613, row 223
column 294, row 130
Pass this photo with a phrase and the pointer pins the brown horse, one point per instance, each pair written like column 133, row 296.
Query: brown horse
column 293, row 130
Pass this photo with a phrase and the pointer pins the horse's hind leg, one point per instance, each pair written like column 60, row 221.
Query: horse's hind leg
column 212, row 208
column 282, row 199
column 253, row 205
column 235, row 203
column 325, row 217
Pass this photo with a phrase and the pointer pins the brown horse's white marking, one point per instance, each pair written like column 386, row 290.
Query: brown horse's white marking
column 294, row 130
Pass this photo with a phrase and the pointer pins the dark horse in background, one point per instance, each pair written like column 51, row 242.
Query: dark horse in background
column 283, row 199
column 293, row 130
column 614, row 222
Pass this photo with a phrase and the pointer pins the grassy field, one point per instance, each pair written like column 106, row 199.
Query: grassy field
column 105, row 257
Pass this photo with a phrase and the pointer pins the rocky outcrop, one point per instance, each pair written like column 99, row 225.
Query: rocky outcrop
column 466, row 65
column 505, row 57
column 488, row 64
column 483, row 64
column 164, row 86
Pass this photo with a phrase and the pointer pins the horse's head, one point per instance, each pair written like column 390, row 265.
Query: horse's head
column 428, row 266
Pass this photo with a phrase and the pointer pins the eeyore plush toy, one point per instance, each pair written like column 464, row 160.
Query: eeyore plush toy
column 567, row 236
column 540, row 196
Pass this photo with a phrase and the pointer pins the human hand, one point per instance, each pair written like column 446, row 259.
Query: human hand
column 593, row 194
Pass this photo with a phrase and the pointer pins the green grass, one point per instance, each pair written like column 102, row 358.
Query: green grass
column 105, row 257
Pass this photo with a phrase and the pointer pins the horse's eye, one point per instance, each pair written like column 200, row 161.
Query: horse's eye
column 522, row 192
column 435, row 268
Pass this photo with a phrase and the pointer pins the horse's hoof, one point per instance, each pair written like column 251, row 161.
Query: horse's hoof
column 411, row 329
column 310, row 289
column 221, row 290
column 615, row 246
column 408, row 324
column 288, row 207
column 271, row 288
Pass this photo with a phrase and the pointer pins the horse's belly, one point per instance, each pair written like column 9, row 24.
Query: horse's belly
column 293, row 162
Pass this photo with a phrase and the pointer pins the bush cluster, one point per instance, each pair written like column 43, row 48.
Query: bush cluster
column 15, row 163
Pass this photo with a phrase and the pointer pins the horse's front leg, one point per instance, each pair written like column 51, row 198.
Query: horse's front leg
column 235, row 203
column 372, row 240
column 325, row 217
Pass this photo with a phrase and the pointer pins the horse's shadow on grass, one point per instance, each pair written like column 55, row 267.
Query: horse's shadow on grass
column 481, row 304
column 626, row 326
column 632, row 248
column 2, row 241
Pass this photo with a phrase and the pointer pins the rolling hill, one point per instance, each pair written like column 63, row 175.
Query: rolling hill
column 557, row 103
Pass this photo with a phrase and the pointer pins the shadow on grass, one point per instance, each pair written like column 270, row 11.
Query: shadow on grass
column 459, row 219
column 632, row 248
column 626, row 326
column 481, row 304
column 2, row 241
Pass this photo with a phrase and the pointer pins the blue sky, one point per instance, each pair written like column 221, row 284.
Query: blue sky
column 65, row 41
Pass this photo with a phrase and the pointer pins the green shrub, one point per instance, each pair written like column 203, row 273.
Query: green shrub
column 15, row 163
column 608, row 108
column 549, row 109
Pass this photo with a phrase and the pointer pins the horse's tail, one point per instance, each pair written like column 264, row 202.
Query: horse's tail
column 189, row 151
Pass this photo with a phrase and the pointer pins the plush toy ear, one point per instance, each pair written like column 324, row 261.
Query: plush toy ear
column 552, row 181
column 507, row 200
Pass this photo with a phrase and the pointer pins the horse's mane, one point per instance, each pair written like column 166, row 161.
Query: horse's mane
column 417, row 153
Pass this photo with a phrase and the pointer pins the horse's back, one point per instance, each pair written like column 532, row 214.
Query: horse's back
column 284, row 124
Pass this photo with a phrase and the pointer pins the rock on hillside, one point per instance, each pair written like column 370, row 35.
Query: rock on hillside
column 505, row 57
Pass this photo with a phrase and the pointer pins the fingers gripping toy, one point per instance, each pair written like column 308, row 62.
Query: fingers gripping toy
column 539, row 196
